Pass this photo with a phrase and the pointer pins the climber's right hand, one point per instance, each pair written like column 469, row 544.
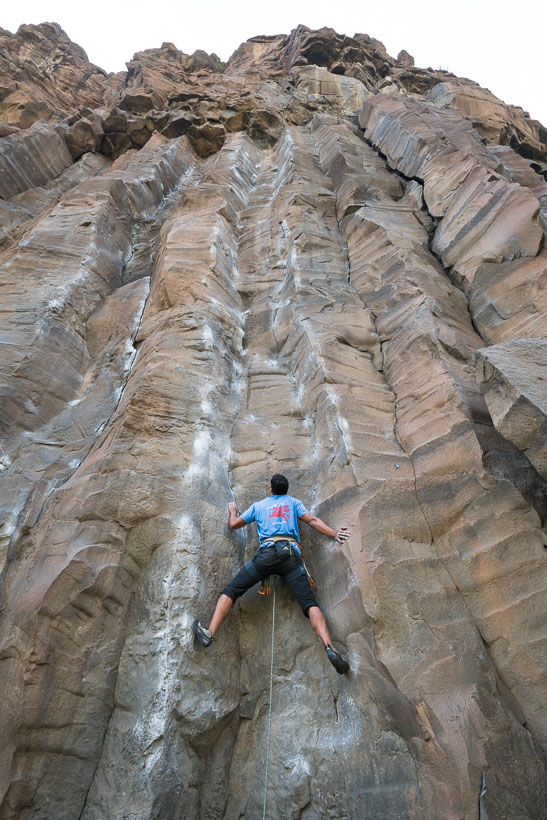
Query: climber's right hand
column 342, row 535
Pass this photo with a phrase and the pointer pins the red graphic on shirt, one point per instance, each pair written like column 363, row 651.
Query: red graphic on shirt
column 281, row 512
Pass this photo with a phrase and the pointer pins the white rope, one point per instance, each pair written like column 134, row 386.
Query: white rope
column 270, row 707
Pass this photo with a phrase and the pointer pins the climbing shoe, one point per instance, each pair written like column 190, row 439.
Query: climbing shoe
column 337, row 660
column 203, row 635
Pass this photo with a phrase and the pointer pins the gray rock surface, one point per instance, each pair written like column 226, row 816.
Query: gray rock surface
column 513, row 378
column 31, row 158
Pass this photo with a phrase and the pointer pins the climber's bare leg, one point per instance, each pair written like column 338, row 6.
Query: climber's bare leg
column 317, row 620
column 320, row 625
column 224, row 605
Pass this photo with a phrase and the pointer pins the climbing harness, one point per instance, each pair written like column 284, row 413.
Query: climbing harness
column 266, row 582
column 269, row 712
column 283, row 545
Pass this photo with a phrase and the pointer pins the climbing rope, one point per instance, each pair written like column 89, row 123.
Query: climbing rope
column 270, row 708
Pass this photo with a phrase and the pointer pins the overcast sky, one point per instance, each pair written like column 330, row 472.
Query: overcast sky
column 486, row 40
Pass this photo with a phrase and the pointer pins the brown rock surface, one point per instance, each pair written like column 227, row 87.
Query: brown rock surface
column 509, row 300
column 499, row 123
column 513, row 378
column 483, row 221
column 140, row 100
column 31, row 158
column 166, row 68
column 405, row 58
column 21, row 208
column 45, row 74
column 83, row 137
column 208, row 138
column 209, row 273
column 321, row 86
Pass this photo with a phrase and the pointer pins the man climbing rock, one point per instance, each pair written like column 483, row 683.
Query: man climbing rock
column 278, row 553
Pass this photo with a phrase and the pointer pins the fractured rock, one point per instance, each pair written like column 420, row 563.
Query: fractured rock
column 84, row 136
column 498, row 122
column 405, row 58
column 116, row 120
column 481, row 217
column 31, row 157
column 264, row 128
column 51, row 74
column 177, row 124
column 237, row 121
column 19, row 111
column 116, row 143
column 6, row 130
column 206, row 139
column 509, row 300
column 344, row 93
column 23, row 207
column 138, row 132
column 140, row 100
column 520, row 170
column 513, row 378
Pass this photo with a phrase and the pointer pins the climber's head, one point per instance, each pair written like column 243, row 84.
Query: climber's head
column 279, row 485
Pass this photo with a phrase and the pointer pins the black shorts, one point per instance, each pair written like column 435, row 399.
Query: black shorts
column 267, row 563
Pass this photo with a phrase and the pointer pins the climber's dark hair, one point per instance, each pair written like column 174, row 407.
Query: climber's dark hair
column 279, row 484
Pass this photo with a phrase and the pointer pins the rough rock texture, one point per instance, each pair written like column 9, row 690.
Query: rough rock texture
column 19, row 169
column 317, row 260
column 513, row 378
column 43, row 74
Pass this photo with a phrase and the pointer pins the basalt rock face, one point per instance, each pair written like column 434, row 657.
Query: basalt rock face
column 44, row 74
column 316, row 260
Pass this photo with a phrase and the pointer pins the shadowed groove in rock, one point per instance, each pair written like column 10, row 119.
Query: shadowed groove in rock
column 500, row 458
column 79, row 427
column 375, row 296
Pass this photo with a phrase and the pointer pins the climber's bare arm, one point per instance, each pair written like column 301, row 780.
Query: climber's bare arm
column 235, row 521
column 315, row 523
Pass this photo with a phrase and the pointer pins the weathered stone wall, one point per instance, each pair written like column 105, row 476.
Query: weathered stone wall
column 305, row 261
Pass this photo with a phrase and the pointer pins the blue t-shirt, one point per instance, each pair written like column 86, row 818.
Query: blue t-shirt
column 276, row 515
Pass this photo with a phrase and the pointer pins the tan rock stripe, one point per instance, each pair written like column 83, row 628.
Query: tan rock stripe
column 71, row 260
column 386, row 532
column 61, row 344
column 271, row 434
column 176, row 419
column 432, row 439
column 298, row 764
column 107, row 486
column 31, row 158
column 484, row 220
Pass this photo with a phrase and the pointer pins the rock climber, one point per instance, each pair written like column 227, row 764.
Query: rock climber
column 278, row 553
